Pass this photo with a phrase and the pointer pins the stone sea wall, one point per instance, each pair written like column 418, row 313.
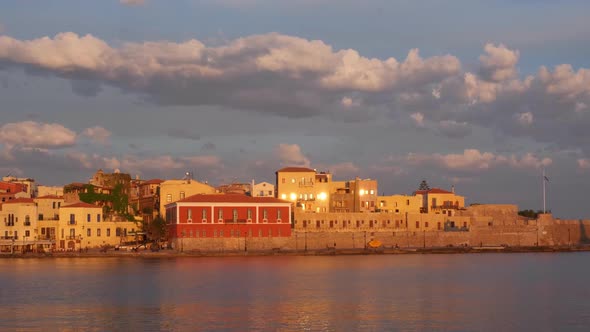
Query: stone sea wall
column 488, row 227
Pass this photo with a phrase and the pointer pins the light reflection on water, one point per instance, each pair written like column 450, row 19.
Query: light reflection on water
column 490, row 292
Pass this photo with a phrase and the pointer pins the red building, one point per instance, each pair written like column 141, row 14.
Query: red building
column 228, row 215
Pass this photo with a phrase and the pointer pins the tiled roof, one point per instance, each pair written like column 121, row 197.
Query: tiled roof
column 296, row 169
column 50, row 197
column 20, row 200
column 81, row 205
column 229, row 198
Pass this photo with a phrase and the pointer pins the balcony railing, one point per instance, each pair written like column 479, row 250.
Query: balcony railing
column 8, row 237
column 306, row 184
column 74, row 237
column 235, row 221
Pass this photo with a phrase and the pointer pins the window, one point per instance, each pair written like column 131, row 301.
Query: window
column 310, row 196
column 40, row 216
column 169, row 198
column 108, row 232
column 54, row 205
column 235, row 215
column 264, row 214
column 98, row 232
column 27, row 233
column 417, row 224
column 190, row 214
column 221, row 233
column 407, row 202
column 372, row 192
column 278, row 214
column 182, row 195
column 426, row 224
column 283, row 180
column 72, row 219
column 27, row 220
column 88, row 232
column 88, row 217
column 204, row 214
column 292, row 180
column 270, row 193
column 220, row 214
column 249, row 214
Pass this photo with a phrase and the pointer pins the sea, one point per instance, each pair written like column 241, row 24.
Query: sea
column 412, row 292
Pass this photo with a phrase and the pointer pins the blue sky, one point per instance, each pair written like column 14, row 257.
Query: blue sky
column 235, row 89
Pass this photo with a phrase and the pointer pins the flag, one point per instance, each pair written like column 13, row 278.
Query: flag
column 546, row 178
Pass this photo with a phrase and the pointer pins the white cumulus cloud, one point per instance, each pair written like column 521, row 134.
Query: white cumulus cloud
column 31, row 134
column 291, row 154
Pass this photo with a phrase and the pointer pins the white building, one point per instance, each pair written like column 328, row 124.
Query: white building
column 262, row 189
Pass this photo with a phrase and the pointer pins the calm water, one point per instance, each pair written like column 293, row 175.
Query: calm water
column 489, row 292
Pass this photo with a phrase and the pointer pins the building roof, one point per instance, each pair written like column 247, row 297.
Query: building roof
column 229, row 198
column 432, row 191
column 20, row 200
column 295, row 169
column 50, row 197
column 152, row 181
column 81, row 205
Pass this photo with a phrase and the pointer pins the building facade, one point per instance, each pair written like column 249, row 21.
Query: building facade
column 228, row 215
column 82, row 225
column 174, row 190
column 439, row 201
column 262, row 189
column 305, row 188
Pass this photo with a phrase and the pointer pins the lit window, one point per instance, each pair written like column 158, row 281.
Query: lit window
column 284, row 196
column 372, row 192
column 182, row 195
column 292, row 180
column 169, row 198
column 293, row 196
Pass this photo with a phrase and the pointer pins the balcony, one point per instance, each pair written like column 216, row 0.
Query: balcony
column 27, row 223
column 305, row 184
column 8, row 237
column 72, row 222
column 74, row 237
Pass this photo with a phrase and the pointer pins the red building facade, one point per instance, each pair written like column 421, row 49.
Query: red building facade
column 228, row 215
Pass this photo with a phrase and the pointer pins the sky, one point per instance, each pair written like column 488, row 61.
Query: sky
column 479, row 95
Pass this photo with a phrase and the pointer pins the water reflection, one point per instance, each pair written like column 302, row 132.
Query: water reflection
column 410, row 292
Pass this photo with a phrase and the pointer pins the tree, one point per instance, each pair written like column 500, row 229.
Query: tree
column 424, row 186
column 156, row 229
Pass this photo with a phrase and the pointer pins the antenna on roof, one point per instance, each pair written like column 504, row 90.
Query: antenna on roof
column 188, row 176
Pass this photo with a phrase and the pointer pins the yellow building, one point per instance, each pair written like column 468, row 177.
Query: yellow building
column 19, row 226
column 439, row 201
column 81, row 225
column 358, row 195
column 399, row 204
column 175, row 190
column 48, row 216
column 305, row 188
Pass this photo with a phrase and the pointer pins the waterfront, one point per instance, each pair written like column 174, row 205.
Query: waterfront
column 534, row 291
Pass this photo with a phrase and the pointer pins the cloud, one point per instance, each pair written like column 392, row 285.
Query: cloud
column 291, row 155
column 418, row 119
column 524, row 119
column 132, row 2
column 97, row 134
column 584, row 163
column 296, row 77
column 499, row 63
column 454, row 129
column 31, row 134
column 473, row 160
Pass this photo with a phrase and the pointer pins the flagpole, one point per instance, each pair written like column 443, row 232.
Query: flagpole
column 543, row 179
